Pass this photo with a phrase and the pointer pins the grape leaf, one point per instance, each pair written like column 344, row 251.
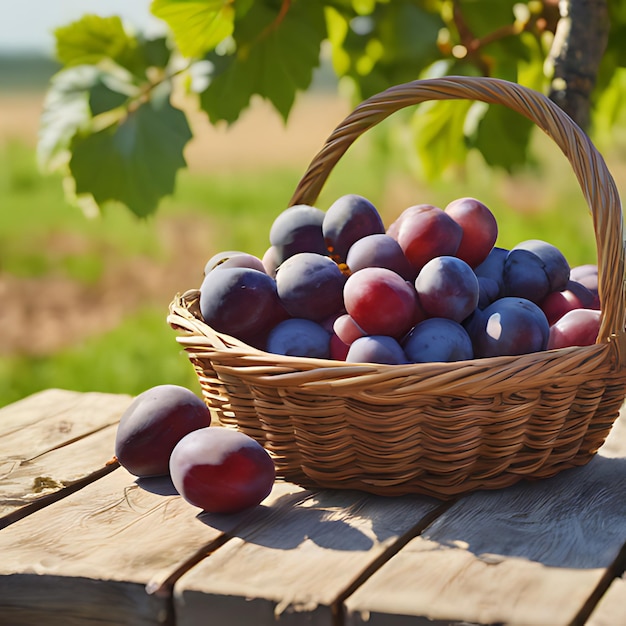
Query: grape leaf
column 609, row 109
column 156, row 52
column 134, row 161
column 65, row 111
column 109, row 92
column 338, row 25
column 409, row 33
column 502, row 137
column 275, row 57
column 92, row 39
column 391, row 46
column 438, row 135
column 198, row 25
column 483, row 17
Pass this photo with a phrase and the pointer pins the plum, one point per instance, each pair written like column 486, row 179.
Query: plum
column 424, row 232
column 509, row 326
column 310, row 285
column 347, row 220
column 338, row 350
column 493, row 266
column 232, row 258
column 376, row 349
column 347, row 329
column 297, row 229
column 153, row 424
column 221, row 470
column 534, row 268
column 380, row 301
column 270, row 261
column 299, row 337
column 578, row 327
column 447, row 287
column 438, row 339
column 480, row 229
column 488, row 291
column 239, row 301
column 574, row 296
column 379, row 250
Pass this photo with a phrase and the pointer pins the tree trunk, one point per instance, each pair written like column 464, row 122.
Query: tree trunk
column 579, row 44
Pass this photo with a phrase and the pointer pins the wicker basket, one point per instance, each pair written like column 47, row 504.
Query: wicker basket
column 440, row 429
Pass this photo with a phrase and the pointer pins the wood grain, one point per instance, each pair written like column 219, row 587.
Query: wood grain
column 294, row 568
column 37, row 464
column 29, row 485
column 52, row 419
column 91, row 555
column 121, row 551
column 531, row 554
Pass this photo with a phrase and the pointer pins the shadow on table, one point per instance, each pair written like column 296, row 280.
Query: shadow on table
column 334, row 519
column 575, row 519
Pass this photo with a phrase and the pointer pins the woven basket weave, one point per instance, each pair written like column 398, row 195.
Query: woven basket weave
column 440, row 429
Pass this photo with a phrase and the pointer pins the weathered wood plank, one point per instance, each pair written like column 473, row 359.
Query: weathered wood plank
column 526, row 555
column 54, row 418
column 531, row 554
column 295, row 567
column 30, row 410
column 91, row 555
column 611, row 610
column 27, row 486
column 36, row 461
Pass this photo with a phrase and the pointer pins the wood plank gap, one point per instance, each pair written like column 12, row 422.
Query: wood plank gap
column 55, row 496
column 163, row 588
column 615, row 570
column 337, row 606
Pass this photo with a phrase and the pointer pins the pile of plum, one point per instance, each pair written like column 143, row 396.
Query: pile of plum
column 432, row 286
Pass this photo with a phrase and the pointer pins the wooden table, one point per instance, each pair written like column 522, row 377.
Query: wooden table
column 83, row 542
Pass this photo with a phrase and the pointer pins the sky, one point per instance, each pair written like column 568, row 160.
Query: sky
column 27, row 25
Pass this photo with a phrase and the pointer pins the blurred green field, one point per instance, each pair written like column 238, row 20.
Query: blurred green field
column 85, row 300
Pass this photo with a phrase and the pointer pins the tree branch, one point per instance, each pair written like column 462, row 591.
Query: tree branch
column 579, row 44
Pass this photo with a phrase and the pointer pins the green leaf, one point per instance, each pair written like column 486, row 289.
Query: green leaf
column 134, row 161
column 393, row 45
column 75, row 96
column 156, row 52
column 276, row 55
column 503, row 137
column 483, row 17
column 338, row 25
column 228, row 92
column 609, row 109
column 198, row 25
column 109, row 92
column 409, row 33
column 438, row 135
column 530, row 72
column 65, row 111
column 93, row 39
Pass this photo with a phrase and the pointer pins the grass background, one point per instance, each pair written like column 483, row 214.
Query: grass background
column 229, row 196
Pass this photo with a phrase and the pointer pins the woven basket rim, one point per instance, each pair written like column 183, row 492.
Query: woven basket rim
column 312, row 375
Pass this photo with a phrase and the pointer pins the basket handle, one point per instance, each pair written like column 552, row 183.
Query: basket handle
column 596, row 182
